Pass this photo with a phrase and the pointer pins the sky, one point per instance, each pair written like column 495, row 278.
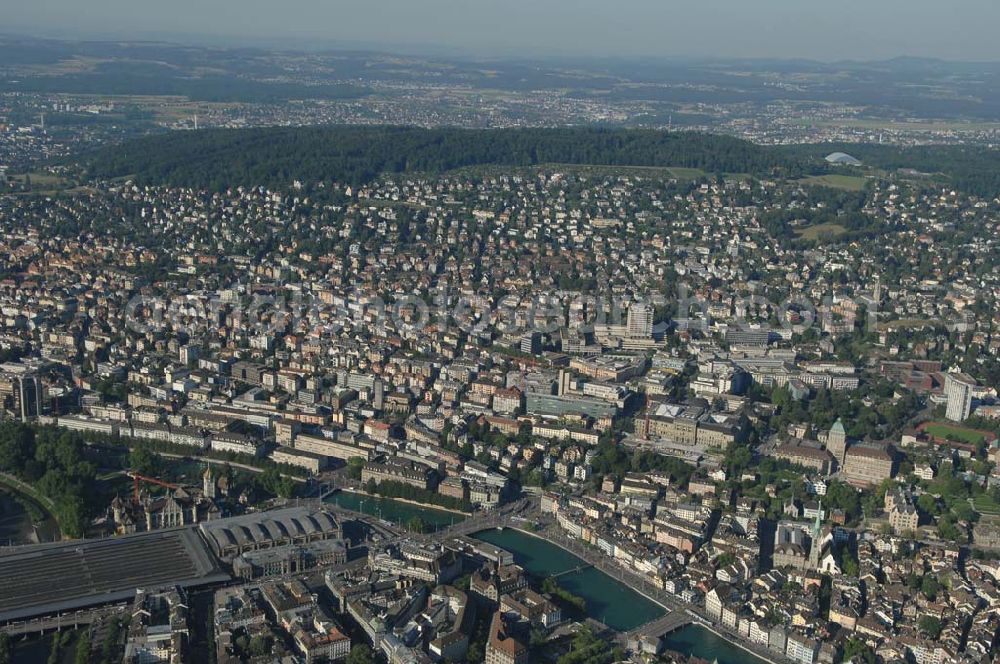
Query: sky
column 814, row 29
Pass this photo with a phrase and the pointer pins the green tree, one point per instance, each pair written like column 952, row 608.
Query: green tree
column 6, row 649
column 110, row 643
column 551, row 586
column 260, row 645
column 929, row 626
column 927, row 504
column 354, row 466
column 274, row 483
column 587, row 648
column 848, row 563
column 738, row 458
column 855, row 647
column 475, row 654
column 360, row 654
column 930, row 586
column 16, row 447
column 143, row 461
column 83, row 650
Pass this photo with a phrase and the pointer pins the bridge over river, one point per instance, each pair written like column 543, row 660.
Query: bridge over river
column 516, row 516
column 655, row 629
column 574, row 570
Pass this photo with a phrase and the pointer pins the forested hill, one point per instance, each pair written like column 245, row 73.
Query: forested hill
column 220, row 158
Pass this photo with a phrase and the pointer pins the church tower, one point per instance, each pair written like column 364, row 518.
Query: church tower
column 816, row 545
column 208, row 483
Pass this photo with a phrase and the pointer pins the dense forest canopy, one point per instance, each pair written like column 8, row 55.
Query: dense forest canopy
column 220, row 158
column 275, row 156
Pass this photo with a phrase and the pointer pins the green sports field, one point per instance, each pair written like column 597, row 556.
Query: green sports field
column 952, row 432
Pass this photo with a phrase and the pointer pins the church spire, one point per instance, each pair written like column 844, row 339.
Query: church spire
column 816, row 545
column 818, row 523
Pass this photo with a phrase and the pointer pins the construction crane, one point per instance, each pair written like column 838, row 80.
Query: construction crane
column 136, row 477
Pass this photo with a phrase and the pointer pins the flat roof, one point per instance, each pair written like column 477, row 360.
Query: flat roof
column 64, row 576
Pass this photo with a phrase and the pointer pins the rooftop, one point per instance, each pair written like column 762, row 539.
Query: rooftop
column 46, row 578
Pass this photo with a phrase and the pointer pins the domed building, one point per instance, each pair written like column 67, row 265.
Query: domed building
column 842, row 159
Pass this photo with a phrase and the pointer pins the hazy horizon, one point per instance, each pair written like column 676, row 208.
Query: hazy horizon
column 778, row 29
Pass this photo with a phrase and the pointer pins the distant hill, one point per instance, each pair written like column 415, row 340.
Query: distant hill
column 220, row 158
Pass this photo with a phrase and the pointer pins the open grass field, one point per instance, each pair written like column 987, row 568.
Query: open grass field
column 41, row 180
column 674, row 172
column 46, row 184
column 836, row 181
column 678, row 172
column 903, row 323
column 946, row 431
column 686, row 173
column 820, row 231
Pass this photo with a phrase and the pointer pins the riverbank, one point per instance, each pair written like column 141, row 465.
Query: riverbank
column 426, row 506
column 401, row 513
column 556, row 543
column 607, row 599
column 47, row 528
column 697, row 621
column 722, row 648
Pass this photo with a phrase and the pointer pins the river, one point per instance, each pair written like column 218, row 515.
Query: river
column 608, row 600
column 700, row 642
column 16, row 526
column 395, row 511
column 613, row 603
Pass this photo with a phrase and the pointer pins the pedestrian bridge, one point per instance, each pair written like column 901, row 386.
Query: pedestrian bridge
column 574, row 570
